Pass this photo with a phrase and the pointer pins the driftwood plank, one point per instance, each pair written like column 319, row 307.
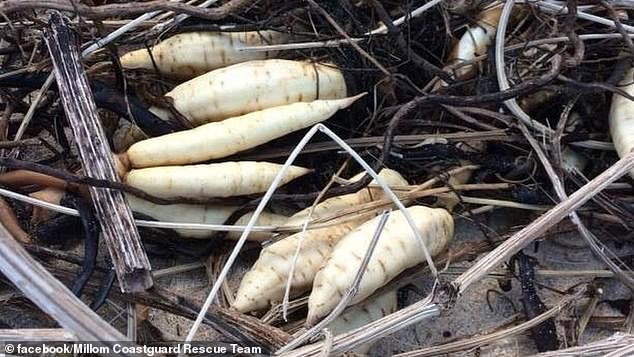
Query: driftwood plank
column 122, row 238
column 50, row 295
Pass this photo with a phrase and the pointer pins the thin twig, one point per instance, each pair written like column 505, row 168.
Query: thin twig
column 141, row 222
column 123, row 9
column 582, row 15
column 503, row 82
column 300, row 242
column 410, row 15
column 353, row 43
column 593, row 242
column 587, row 314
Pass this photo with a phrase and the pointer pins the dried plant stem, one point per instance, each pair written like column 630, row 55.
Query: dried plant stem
column 590, row 238
column 582, row 15
column 117, row 224
column 503, row 82
column 348, row 214
column 595, row 349
column 32, row 335
column 401, row 20
column 368, row 141
column 587, row 314
column 38, row 98
column 122, row 9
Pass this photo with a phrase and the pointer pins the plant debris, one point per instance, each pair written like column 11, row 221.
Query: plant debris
column 501, row 114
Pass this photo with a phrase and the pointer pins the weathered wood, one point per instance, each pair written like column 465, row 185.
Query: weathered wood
column 122, row 238
column 50, row 295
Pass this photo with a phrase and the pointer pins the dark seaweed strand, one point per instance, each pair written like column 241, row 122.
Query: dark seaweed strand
column 545, row 334
column 105, row 97
column 106, row 286
column 91, row 243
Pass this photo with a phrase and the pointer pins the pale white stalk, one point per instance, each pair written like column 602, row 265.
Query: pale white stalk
column 255, row 85
column 221, row 139
column 191, row 54
column 212, row 180
column 622, row 118
column 291, row 263
column 396, row 250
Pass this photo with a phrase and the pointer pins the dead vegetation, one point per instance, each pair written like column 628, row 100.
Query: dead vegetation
column 484, row 108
